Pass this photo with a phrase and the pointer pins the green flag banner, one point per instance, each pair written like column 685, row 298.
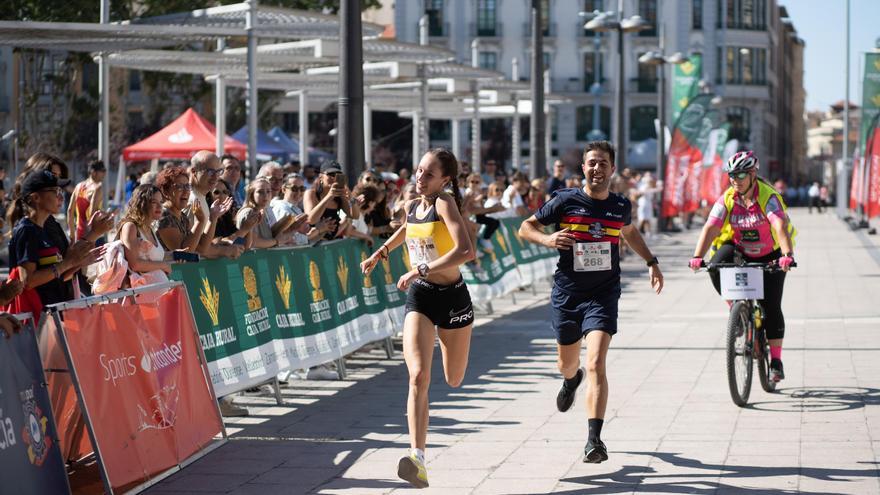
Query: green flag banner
column 290, row 308
column 870, row 97
column 685, row 83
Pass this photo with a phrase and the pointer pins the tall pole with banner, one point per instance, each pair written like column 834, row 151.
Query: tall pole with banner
column 870, row 109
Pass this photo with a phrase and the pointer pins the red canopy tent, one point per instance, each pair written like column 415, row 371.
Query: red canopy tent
column 182, row 139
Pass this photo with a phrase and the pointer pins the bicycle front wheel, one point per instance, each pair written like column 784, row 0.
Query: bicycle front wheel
column 739, row 353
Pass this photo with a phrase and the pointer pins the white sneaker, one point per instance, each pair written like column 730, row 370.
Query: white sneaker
column 321, row 373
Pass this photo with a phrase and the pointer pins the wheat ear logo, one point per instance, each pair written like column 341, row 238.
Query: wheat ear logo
column 210, row 300
column 282, row 283
column 315, row 279
column 683, row 102
column 877, row 63
column 501, row 241
column 389, row 279
column 250, row 286
column 876, row 100
column 342, row 274
column 687, row 68
column 368, row 280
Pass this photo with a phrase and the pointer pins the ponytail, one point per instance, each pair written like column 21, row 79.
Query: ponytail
column 17, row 210
column 456, row 193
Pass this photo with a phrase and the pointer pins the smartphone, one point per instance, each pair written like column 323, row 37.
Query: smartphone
column 185, row 257
column 239, row 241
column 340, row 179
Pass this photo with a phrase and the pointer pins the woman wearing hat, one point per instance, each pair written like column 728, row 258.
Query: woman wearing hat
column 37, row 254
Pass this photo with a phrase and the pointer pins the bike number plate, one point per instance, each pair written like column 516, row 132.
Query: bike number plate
column 592, row 256
column 742, row 283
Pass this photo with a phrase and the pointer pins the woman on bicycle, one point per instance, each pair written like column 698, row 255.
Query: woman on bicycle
column 437, row 238
column 750, row 217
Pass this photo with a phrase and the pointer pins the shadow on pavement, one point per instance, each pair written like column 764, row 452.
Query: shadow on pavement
column 718, row 478
column 817, row 399
column 308, row 444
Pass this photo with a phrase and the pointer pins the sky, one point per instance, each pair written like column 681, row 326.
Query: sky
column 822, row 26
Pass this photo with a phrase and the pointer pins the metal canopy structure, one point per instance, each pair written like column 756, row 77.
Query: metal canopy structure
column 89, row 37
column 271, row 22
column 202, row 63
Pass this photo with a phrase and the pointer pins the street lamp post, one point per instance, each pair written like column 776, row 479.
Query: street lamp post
column 605, row 22
column 595, row 133
column 537, row 167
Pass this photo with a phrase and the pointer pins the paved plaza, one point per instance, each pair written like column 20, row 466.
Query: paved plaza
column 670, row 428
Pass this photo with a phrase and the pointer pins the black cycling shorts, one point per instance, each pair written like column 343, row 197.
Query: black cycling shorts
column 447, row 306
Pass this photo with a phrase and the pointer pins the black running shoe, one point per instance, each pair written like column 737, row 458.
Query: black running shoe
column 595, row 452
column 776, row 373
column 565, row 397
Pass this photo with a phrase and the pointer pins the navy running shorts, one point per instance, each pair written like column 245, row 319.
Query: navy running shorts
column 575, row 315
column 447, row 306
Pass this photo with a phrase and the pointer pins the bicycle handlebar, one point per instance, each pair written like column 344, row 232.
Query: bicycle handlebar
column 767, row 266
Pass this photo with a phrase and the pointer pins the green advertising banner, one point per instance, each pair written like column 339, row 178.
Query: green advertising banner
column 290, row 308
column 870, row 97
column 685, row 83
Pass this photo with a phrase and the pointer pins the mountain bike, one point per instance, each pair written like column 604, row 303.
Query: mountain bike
column 742, row 284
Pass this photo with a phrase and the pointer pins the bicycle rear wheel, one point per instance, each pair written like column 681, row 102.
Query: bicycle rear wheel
column 762, row 354
column 739, row 353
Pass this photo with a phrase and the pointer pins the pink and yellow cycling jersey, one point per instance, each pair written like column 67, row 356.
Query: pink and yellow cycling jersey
column 752, row 227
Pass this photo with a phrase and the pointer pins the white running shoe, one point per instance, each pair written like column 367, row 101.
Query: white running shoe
column 412, row 470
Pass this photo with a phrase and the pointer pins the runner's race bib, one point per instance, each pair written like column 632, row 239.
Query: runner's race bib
column 592, row 256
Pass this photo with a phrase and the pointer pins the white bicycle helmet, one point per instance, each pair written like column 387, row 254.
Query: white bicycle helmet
column 741, row 162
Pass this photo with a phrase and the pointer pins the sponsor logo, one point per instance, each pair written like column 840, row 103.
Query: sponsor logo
column 462, row 318
column 283, row 284
column 162, row 358
column 389, row 279
column 596, row 231
column 315, row 280
column 687, row 67
column 7, row 432
column 453, row 314
column 33, row 434
column 210, row 298
column 342, row 275
column 250, row 286
column 117, row 368
column 501, row 242
column 742, row 279
column 180, row 137
column 368, row 282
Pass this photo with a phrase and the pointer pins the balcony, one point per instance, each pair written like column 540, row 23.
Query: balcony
column 486, row 30
column 588, row 83
column 549, row 32
column 643, row 85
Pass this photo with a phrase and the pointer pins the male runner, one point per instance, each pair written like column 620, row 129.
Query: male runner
column 588, row 223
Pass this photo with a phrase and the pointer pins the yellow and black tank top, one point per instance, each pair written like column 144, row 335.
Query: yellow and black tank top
column 426, row 238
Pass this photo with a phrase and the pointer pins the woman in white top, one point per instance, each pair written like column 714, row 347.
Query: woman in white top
column 258, row 194
column 143, row 252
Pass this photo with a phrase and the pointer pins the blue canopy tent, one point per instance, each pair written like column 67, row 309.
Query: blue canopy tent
column 266, row 146
column 282, row 139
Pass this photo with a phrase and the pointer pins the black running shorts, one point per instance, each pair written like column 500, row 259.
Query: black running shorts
column 447, row 306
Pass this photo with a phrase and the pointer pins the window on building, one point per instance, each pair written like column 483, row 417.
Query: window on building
column 486, row 17
column 591, row 74
column 743, row 14
column 740, row 123
column 592, row 5
column 648, row 11
column 545, row 17
column 641, row 122
column 584, row 124
column 697, row 14
column 134, row 80
column 548, row 57
column 488, row 60
column 746, row 64
column 760, row 66
column 434, row 9
column 439, row 130
column 647, row 80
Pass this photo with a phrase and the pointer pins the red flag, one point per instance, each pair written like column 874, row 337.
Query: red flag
column 856, row 184
column 872, row 161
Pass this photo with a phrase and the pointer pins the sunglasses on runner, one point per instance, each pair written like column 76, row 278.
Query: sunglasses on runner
column 738, row 175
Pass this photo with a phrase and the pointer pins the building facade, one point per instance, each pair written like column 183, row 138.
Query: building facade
column 752, row 58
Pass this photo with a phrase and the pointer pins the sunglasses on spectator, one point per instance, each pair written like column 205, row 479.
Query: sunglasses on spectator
column 212, row 171
column 738, row 175
column 183, row 187
column 232, row 167
column 297, row 188
column 54, row 190
column 332, row 174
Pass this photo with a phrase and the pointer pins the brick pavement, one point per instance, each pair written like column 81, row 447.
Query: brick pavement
column 671, row 426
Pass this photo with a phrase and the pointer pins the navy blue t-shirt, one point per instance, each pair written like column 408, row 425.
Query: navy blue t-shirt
column 39, row 245
column 590, row 220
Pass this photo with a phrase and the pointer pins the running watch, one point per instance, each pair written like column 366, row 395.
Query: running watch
column 653, row 261
column 423, row 270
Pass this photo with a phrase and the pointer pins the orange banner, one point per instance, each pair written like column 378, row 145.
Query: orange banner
column 141, row 379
